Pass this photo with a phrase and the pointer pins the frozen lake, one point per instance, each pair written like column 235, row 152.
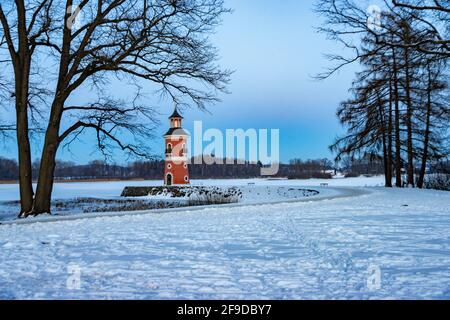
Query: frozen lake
column 9, row 192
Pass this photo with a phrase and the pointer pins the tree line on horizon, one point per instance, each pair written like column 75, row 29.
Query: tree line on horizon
column 153, row 169
column 399, row 100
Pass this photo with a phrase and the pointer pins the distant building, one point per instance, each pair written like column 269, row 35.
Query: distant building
column 176, row 164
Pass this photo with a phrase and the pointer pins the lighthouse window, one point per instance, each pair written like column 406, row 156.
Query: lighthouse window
column 186, row 178
column 185, row 166
column 169, row 148
column 169, row 166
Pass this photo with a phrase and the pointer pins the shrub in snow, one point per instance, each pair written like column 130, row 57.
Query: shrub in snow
column 310, row 175
column 181, row 192
column 351, row 175
column 322, row 175
column 437, row 181
column 215, row 195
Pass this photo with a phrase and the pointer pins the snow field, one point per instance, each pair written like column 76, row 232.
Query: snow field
column 304, row 250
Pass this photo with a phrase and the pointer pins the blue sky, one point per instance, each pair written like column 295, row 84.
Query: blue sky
column 275, row 50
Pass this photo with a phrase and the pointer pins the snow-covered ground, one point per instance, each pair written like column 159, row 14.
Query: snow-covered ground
column 377, row 244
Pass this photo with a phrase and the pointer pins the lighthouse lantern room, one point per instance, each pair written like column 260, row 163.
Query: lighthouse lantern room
column 176, row 170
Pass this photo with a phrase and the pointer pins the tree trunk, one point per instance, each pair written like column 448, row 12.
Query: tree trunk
column 21, row 63
column 398, row 158
column 426, row 134
column 389, row 142
column 409, row 144
column 24, row 151
column 384, row 140
column 42, row 201
column 387, row 178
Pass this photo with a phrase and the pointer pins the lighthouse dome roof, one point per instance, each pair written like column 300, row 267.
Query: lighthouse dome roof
column 176, row 132
column 176, row 114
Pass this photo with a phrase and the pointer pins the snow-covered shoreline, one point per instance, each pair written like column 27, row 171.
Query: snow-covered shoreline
column 88, row 197
column 324, row 194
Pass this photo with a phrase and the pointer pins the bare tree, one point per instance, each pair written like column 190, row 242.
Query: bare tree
column 348, row 22
column 434, row 116
column 434, row 15
column 435, row 5
column 20, row 29
column 165, row 42
column 391, row 104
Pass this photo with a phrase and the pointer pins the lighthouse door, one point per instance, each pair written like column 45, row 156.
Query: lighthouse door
column 169, row 179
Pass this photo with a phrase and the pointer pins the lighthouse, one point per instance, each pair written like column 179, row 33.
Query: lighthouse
column 176, row 170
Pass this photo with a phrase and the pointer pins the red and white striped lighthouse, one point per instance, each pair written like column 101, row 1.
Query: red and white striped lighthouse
column 176, row 164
